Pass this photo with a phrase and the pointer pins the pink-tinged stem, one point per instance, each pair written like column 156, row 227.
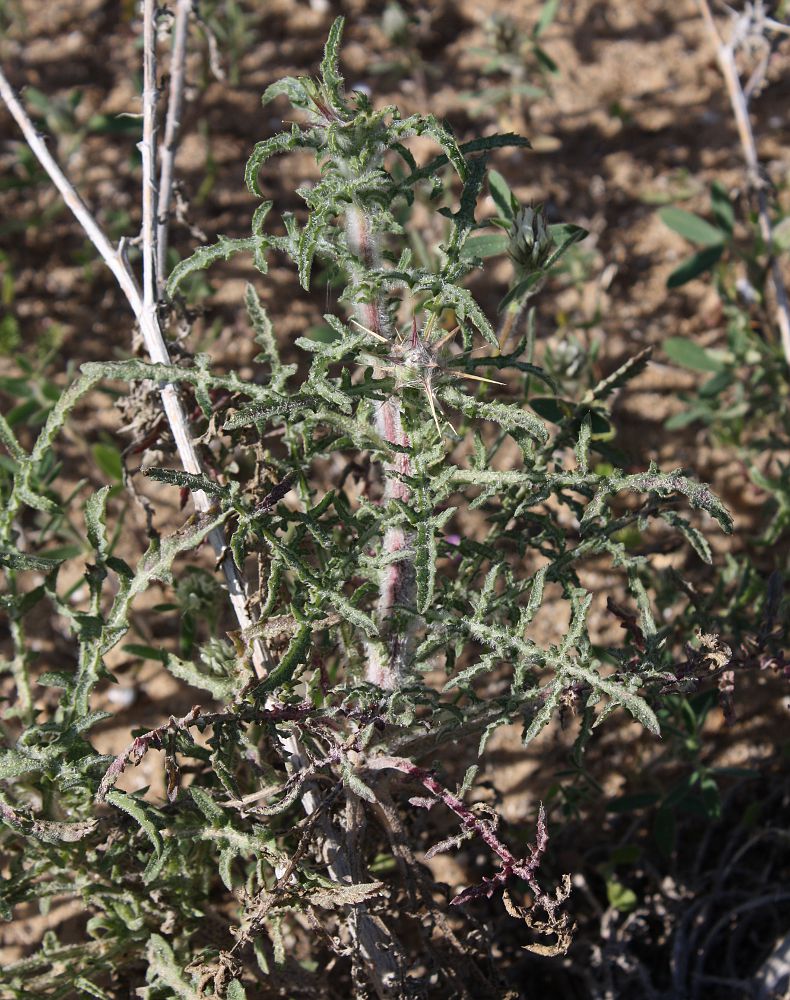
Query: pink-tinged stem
column 397, row 588
column 524, row 868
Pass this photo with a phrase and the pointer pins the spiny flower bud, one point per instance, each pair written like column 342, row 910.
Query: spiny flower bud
column 530, row 241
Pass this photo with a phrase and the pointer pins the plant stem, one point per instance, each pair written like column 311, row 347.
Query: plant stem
column 175, row 103
column 148, row 153
column 378, row 949
column 397, row 587
column 155, row 346
column 20, row 661
column 740, row 108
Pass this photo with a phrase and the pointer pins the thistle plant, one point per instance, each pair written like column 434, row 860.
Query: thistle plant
column 428, row 549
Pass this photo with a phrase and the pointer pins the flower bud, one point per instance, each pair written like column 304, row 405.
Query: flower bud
column 530, row 241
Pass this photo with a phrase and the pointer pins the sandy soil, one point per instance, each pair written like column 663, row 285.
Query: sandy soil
column 637, row 116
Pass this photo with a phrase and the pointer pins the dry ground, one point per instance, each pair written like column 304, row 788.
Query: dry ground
column 636, row 115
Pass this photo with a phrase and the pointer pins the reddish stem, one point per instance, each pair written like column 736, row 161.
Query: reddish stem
column 397, row 580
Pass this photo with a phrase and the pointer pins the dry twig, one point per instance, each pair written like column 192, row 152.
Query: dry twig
column 154, row 344
column 175, row 104
column 725, row 53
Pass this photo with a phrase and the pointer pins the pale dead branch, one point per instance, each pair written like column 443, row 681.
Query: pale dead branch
column 725, row 53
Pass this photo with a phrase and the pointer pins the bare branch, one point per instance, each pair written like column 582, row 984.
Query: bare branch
column 175, row 103
column 725, row 54
column 154, row 344
column 148, row 152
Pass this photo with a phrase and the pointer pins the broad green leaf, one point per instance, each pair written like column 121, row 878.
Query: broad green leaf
column 691, row 227
column 620, row 897
column 517, row 291
column 722, row 208
column 109, row 461
column 690, row 355
column 484, row 246
column 694, row 266
column 564, row 235
column 545, row 60
column 716, row 385
column 547, row 14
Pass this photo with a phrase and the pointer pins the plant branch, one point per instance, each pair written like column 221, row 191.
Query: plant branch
column 397, row 579
column 148, row 153
column 725, row 53
column 155, row 347
column 374, row 942
column 175, row 104
column 524, row 868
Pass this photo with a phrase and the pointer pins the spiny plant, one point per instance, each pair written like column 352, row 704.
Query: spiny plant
column 395, row 609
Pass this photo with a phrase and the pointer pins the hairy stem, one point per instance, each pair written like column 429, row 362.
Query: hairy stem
column 397, row 588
